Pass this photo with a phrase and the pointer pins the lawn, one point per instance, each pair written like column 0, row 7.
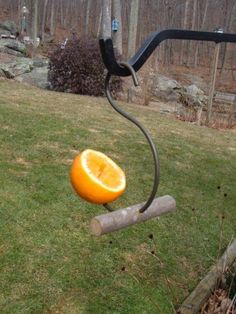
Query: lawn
column 50, row 262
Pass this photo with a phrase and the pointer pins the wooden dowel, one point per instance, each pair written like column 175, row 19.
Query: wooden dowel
column 122, row 218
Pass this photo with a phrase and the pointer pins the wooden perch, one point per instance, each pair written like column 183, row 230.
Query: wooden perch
column 129, row 216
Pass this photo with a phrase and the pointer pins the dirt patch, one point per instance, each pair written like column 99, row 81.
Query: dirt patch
column 66, row 303
column 23, row 162
column 94, row 131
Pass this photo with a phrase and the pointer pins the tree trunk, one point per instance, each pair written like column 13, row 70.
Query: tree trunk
column 133, row 23
column 44, row 19
column 66, row 14
column 201, row 28
column 191, row 43
column 185, row 26
column 99, row 23
column 61, row 14
column 229, row 27
column 20, row 5
column 34, row 21
column 117, row 35
column 106, row 19
column 86, row 22
column 52, row 19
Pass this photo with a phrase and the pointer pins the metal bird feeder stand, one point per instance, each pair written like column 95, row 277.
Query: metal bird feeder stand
column 153, row 207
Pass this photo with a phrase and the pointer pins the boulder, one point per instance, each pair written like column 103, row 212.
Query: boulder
column 12, row 44
column 165, row 89
column 193, row 96
column 32, row 71
column 6, row 72
column 11, row 52
column 9, row 26
column 37, row 77
column 2, row 74
column 4, row 32
column 16, row 67
column 40, row 62
column 197, row 80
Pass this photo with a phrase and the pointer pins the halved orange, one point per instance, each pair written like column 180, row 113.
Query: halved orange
column 96, row 177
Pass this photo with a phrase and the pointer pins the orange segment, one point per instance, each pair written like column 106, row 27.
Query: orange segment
column 96, row 177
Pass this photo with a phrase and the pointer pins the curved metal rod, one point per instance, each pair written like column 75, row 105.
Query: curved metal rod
column 147, row 48
column 145, row 132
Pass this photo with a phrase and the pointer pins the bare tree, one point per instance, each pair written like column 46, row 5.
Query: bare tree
column 185, row 26
column 66, row 13
column 52, row 18
column 229, row 25
column 61, row 13
column 117, row 35
column 44, row 19
column 86, row 22
column 99, row 23
column 34, row 20
column 193, row 24
column 133, row 24
column 106, row 19
column 201, row 28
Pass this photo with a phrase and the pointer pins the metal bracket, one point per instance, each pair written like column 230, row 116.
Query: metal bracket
column 150, row 44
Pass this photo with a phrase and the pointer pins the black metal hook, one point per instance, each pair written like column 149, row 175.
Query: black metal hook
column 144, row 131
column 141, row 56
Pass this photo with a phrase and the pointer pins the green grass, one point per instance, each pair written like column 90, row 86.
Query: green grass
column 49, row 261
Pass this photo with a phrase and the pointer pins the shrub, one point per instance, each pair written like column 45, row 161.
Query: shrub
column 78, row 68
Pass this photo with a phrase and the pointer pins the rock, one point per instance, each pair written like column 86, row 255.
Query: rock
column 6, row 72
column 2, row 74
column 11, row 52
column 4, row 32
column 197, row 80
column 16, row 67
column 193, row 96
column 157, row 89
column 31, row 71
column 5, row 57
column 9, row 26
column 13, row 44
column 37, row 77
column 134, row 94
column 165, row 89
column 40, row 62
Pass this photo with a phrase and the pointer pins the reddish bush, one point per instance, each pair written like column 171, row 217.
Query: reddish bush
column 77, row 67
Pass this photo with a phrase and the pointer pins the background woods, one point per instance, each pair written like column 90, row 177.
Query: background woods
column 137, row 18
